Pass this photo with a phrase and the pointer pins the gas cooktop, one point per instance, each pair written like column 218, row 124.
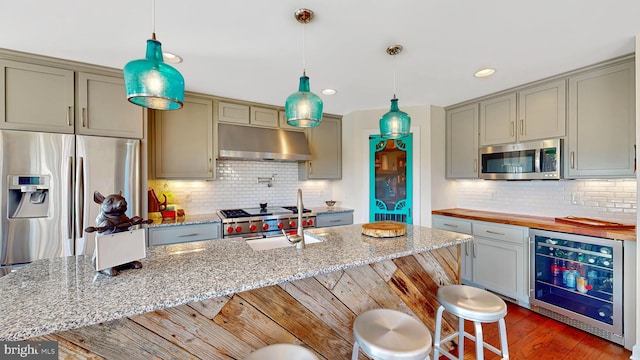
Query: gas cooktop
column 250, row 212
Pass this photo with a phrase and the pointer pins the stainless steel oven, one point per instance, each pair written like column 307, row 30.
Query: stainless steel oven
column 253, row 223
column 535, row 160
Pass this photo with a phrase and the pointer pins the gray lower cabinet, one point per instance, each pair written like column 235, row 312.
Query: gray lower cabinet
column 602, row 119
column 464, row 227
column 334, row 219
column 325, row 143
column 165, row 235
column 496, row 260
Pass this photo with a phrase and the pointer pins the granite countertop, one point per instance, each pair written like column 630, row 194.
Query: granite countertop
column 66, row 293
column 187, row 220
column 537, row 222
column 326, row 209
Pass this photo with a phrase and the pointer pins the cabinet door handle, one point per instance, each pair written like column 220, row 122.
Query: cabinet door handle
column 69, row 115
column 475, row 251
column 521, row 126
column 513, row 126
column 188, row 235
column 84, row 117
column 335, row 221
column 495, row 232
column 210, row 167
column 310, row 168
column 475, row 164
column 451, row 225
column 571, row 159
column 466, row 248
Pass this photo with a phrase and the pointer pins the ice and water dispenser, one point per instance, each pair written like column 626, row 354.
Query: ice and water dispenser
column 28, row 196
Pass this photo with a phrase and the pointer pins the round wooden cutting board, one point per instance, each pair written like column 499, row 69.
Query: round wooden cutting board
column 383, row 229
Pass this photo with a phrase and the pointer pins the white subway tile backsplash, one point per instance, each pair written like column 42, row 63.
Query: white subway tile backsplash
column 613, row 200
column 237, row 186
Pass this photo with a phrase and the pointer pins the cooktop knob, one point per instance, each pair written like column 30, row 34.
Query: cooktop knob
column 252, row 227
column 280, row 226
column 304, row 222
column 265, row 226
column 310, row 222
column 230, row 229
column 238, row 228
column 292, row 223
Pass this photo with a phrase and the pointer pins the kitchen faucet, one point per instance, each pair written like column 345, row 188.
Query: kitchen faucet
column 297, row 239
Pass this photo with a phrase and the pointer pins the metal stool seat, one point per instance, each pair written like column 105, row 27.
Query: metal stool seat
column 282, row 351
column 386, row 334
column 473, row 304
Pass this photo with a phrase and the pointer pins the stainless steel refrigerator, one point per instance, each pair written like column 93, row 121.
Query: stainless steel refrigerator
column 48, row 181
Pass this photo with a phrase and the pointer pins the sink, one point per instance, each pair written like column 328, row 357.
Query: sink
column 279, row 242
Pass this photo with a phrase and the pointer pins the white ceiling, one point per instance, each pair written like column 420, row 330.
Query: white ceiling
column 252, row 49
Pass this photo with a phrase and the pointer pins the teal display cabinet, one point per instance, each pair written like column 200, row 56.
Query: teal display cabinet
column 390, row 179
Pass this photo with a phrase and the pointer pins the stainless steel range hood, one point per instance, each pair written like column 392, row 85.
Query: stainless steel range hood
column 253, row 143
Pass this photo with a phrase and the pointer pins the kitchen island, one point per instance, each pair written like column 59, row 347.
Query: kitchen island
column 221, row 299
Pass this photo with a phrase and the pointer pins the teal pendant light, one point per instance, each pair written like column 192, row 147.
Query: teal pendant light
column 152, row 83
column 395, row 123
column 303, row 108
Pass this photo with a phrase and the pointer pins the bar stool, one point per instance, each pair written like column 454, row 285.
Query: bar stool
column 386, row 334
column 473, row 304
column 282, row 351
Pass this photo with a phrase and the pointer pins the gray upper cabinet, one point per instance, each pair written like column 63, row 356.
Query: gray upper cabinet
column 35, row 97
column 183, row 141
column 325, row 142
column 103, row 108
column 601, row 141
column 498, row 120
column 533, row 113
column 542, row 111
column 462, row 142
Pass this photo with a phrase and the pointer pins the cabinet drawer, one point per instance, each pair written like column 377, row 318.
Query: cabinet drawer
column 513, row 234
column 324, row 220
column 449, row 224
column 183, row 233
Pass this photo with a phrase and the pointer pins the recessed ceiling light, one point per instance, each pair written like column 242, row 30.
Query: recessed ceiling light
column 171, row 57
column 329, row 91
column 484, row 72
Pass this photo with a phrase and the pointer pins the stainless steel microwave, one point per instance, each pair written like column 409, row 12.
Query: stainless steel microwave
column 534, row 160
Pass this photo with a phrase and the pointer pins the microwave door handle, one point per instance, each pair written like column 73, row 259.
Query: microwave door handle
column 537, row 161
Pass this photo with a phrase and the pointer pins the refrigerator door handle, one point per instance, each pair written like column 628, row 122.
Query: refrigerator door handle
column 80, row 197
column 70, row 199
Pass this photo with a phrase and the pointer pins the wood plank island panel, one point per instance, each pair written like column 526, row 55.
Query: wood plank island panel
column 315, row 312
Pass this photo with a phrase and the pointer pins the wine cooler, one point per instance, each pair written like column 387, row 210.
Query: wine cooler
column 577, row 280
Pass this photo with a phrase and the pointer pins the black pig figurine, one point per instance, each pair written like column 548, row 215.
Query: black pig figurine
column 112, row 219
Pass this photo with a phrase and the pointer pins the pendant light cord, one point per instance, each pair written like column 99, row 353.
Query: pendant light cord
column 304, row 59
column 394, row 76
column 153, row 19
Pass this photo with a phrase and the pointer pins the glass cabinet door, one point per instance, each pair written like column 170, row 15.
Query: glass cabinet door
column 390, row 179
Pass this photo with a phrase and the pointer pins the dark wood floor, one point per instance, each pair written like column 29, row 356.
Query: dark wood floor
column 533, row 336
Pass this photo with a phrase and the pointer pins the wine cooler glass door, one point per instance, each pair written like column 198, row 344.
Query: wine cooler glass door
column 579, row 277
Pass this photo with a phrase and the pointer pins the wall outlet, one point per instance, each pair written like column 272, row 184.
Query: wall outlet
column 493, row 195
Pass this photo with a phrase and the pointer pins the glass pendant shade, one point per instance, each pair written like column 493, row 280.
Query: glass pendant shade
column 303, row 108
column 395, row 123
column 153, row 84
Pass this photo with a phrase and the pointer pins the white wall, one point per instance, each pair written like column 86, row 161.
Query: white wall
column 603, row 199
column 237, row 187
column 443, row 191
column 636, row 347
column 353, row 189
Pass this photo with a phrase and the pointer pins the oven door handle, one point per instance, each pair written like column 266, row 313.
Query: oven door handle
column 537, row 161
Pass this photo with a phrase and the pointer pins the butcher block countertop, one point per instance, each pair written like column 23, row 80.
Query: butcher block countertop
column 537, row 222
